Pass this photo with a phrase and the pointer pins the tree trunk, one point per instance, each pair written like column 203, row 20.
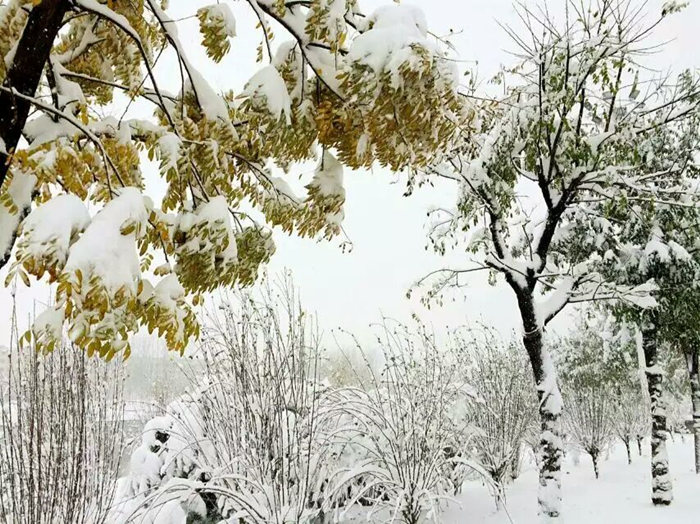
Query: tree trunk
column 694, row 375
column 594, row 458
column 639, row 445
column 626, row 440
column 23, row 75
column 661, row 488
column 551, row 448
column 515, row 464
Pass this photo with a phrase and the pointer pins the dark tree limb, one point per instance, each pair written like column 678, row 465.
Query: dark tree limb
column 23, row 76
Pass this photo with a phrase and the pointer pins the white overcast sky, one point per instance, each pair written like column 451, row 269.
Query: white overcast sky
column 388, row 230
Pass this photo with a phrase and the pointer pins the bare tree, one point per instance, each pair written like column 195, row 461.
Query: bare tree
column 631, row 416
column 589, row 413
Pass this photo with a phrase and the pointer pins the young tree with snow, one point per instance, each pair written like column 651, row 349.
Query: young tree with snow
column 619, row 364
column 590, row 370
column 371, row 88
column 573, row 136
column 680, row 327
column 631, row 415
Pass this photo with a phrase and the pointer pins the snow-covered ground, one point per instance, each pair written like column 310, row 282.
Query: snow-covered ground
column 620, row 496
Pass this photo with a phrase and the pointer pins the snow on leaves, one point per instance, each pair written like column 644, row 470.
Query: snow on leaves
column 569, row 174
column 217, row 25
column 344, row 83
column 268, row 87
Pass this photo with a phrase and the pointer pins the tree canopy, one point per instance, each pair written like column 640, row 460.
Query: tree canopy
column 346, row 90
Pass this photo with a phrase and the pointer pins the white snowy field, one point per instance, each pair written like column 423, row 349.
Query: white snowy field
column 620, row 496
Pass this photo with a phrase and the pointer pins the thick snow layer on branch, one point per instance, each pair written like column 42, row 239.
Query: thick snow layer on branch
column 168, row 295
column 104, row 11
column 641, row 295
column 50, row 323
column 268, row 85
column 656, row 247
column 387, row 45
column 213, row 215
column 169, row 291
column 328, row 177
column 44, row 129
column 104, row 251
column 222, row 12
column 20, row 191
column 556, row 300
column 280, row 188
column 213, row 106
column 56, row 222
column 112, row 127
column 169, row 145
column 68, row 92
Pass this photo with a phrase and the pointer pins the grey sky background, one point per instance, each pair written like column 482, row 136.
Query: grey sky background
column 387, row 229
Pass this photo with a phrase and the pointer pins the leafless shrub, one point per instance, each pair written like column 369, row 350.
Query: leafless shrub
column 630, row 419
column 253, row 441
column 503, row 405
column 405, row 442
column 60, row 436
column 589, row 415
column 265, row 408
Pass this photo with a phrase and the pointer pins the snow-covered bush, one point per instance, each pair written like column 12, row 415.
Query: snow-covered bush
column 406, row 442
column 60, row 436
column 503, row 406
column 167, row 469
column 254, row 440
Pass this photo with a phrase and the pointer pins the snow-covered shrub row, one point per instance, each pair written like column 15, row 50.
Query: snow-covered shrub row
column 262, row 438
column 273, row 432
